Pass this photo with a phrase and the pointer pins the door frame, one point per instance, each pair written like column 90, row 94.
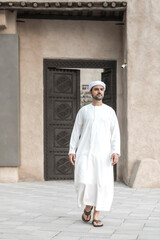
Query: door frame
column 74, row 63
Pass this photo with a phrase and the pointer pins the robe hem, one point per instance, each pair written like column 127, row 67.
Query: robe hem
column 98, row 209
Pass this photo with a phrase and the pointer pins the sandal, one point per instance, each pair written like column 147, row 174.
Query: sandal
column 87, row 214
column 97, row 221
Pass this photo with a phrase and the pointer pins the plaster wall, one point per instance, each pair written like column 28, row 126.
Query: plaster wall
column 8, row 21
column 41, row 39
column 143, row 58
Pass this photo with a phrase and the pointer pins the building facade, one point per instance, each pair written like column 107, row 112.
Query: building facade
column 49, row 52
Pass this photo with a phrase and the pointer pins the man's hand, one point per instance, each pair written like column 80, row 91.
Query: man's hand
column 72, row 158
column 114, row 158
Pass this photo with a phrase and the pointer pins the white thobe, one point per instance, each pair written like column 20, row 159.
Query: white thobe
column 95, row 136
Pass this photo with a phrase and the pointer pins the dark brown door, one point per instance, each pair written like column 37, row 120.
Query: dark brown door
column 62, row 98
column 61, row 103
column 110, row 93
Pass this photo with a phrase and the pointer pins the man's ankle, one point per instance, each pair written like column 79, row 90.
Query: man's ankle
column 96, row 215
column 88, row 207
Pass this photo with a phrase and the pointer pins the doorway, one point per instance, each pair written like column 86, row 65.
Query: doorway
column 61, row 104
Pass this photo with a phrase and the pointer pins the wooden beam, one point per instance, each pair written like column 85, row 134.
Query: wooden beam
column 69, row 17
column 64, row 9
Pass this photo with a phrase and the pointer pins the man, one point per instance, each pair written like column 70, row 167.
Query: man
column 94, row 149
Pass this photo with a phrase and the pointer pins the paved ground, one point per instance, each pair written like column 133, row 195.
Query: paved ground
column 48, row 210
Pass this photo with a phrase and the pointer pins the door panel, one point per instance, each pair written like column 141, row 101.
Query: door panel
column 62, row 104
column 110, row 93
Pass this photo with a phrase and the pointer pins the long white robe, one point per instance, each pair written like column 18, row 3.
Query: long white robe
column 95, row 136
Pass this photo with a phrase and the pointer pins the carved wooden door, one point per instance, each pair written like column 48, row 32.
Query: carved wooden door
column 62, row 98
column 110, row 93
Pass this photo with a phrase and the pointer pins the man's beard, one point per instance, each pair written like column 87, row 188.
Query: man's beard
column 98, row 97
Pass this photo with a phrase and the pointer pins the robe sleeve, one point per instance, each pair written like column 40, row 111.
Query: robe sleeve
column 76, row 132
column 115, row 135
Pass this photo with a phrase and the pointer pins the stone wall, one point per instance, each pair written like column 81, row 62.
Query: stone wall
column 143, row 88
column 41, row 39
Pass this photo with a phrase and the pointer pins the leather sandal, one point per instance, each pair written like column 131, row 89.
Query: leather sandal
column 96, row 225
column 87, row 214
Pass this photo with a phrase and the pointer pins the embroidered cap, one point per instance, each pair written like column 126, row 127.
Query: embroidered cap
column 92, row 84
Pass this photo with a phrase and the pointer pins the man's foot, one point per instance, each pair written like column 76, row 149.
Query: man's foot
column 97, row 223
column 86, row 216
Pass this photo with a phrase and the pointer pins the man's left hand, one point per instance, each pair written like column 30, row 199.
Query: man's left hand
column 114, row 158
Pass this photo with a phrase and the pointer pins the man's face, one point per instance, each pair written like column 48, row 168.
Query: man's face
column 97, row 92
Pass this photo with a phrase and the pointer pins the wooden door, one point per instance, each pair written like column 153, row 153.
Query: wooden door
column 110, row 93
column 62, row 100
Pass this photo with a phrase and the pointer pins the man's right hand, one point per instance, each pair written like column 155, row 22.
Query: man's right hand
column 72, row 158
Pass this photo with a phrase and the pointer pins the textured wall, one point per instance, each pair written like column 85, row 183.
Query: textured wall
column 10, row 22
column 41, row 39
column 143, row 36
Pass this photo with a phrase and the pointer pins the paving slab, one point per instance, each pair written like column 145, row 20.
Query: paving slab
column 124, row 236
column 148, row 237
column 66, row 238
column 48, row 210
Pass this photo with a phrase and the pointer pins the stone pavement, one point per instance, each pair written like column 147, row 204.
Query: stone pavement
column 48, row 210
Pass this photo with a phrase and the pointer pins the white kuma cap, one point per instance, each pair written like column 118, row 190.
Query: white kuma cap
column 92, row 84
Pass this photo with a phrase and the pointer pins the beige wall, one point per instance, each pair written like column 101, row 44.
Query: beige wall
column 41, row 39
column 89, row 75
column 143, row 35
column 138, row 85
column 8, row 22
